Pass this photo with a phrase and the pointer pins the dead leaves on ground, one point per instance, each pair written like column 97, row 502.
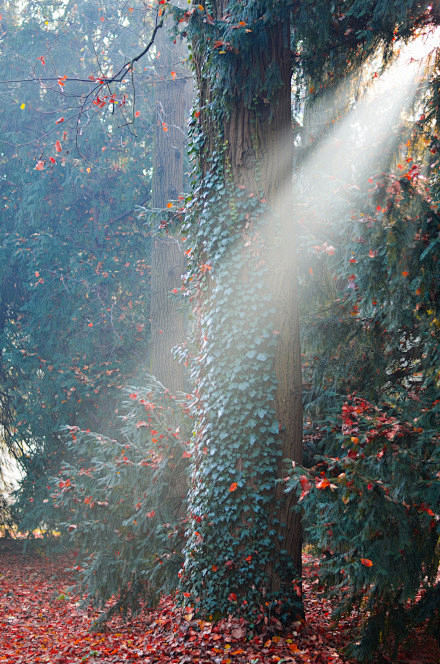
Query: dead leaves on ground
column 42, row 622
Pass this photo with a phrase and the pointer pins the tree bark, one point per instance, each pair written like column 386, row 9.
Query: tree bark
column 167, row 260
column 254, row 136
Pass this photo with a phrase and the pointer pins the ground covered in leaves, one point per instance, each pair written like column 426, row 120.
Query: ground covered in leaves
column 41, row 621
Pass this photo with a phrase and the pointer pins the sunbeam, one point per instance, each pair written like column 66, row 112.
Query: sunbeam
column 365, row 138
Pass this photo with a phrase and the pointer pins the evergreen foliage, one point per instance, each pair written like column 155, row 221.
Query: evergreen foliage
column 121, row 501
column 371, row 494
column 74, row 274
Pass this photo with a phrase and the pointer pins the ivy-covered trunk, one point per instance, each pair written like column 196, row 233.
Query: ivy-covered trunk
column 243, row 553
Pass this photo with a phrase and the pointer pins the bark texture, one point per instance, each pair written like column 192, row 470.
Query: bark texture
column 167, row 261
column 259, row 144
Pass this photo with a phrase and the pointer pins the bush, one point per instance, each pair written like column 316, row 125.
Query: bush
column 371, row 509
column 123, row 502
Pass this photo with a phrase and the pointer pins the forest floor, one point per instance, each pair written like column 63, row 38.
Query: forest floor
column 42, row 622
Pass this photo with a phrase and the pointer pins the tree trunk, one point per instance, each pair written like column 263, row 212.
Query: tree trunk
column 167, row 260
column 244, row 547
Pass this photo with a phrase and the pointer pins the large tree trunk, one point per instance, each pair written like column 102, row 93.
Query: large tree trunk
column 245, row 545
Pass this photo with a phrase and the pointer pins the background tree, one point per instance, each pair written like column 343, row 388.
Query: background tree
column 371, row 497
column 172, row 102
column 74, row 257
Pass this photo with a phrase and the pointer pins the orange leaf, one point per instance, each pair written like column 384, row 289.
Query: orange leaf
column 322, row 484
column 233, row 486
column 367, row 562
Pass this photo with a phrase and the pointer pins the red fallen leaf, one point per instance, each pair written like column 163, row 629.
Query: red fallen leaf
column 233, row 486
column 42, row 60
column 59, row 120
column 232, row 597
column 367, row 562
column 40, row 165
column 238, row 633
column 58, row 147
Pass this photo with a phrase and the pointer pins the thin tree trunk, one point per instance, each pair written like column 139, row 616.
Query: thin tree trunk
column 167, row 261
